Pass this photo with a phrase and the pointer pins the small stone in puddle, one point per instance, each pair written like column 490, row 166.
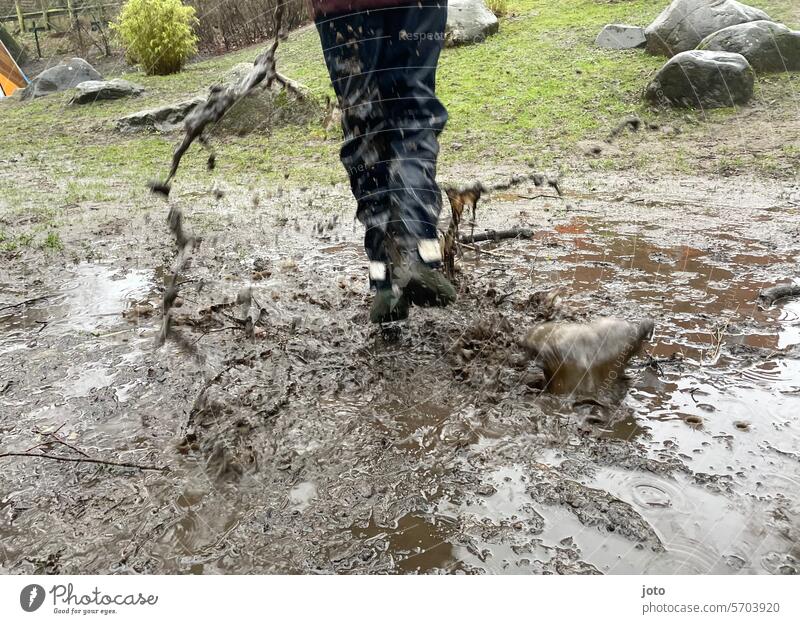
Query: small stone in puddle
column 486, row 489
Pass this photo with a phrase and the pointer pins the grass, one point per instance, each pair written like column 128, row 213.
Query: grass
column 527, row 95
column 52, row 242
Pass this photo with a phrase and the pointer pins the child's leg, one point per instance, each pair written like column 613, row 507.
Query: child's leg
column 409, row 57
column 352, row 46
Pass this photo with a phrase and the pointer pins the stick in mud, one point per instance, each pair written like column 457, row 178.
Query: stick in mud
column 219, row 102
column 185, row 244
column 496, row 235
column 468, row 196
column 86, row 460
column 776, row 293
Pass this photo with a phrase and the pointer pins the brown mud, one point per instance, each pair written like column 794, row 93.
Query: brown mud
column 316, row 443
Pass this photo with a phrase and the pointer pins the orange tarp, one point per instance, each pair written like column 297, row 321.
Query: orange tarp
column 11, row 77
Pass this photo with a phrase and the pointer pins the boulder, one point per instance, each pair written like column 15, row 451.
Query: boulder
column 66, row 75
column 93, row 90
column 621, row 37
column 257, row 112
column 766, row 45
column 685, row 23
column 267, row 108
column 703, row 79
column 162, row 119
column 469, row 21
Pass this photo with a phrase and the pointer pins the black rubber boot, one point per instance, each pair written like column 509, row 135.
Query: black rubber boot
column 388, row 306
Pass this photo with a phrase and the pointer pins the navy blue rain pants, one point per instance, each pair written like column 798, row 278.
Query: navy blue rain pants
column 382, row 64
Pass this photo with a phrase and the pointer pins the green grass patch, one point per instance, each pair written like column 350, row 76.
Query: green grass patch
column 526, row 95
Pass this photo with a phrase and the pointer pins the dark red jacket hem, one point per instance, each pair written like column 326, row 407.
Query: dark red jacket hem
column 323, row 8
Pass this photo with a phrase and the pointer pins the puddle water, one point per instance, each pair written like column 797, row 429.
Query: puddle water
column 733, row 400
column 92, row 297
column 417, row 543
column 370, row 449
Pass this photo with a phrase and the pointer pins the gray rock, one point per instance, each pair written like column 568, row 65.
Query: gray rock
column 257, row 112
column 267, row 108
column 766, row 45
column 703, row 79
column 93, row 90
column 685, row 23
column 66, row 75
column 161, row 119
column 469, row 21
column 621, row 37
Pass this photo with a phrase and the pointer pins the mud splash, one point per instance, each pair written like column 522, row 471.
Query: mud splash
column 323, row 445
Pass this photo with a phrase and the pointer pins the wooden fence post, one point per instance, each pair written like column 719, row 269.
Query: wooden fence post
column 43, row 4
column 20, row 18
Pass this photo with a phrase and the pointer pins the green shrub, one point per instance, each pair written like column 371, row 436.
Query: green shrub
column 158, row 35
column 498, row 7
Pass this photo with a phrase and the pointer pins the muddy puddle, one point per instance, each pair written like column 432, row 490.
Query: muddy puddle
column 321, row 445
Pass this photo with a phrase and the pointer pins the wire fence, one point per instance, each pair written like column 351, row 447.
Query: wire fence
column 223, row 25
column 49, row 14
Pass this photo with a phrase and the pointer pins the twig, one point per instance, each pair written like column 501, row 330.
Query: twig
column 541, row 196
column 718, row 336
column 52, row 435
column 86, row 460
column 496, row 235
column 478, row 250
column 220, row 101
column 11, row 306
column 214, row 331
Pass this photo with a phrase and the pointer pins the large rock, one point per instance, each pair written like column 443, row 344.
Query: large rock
column 162, row 119
column 621, row 37
column 766, row 45
column 267, row 108
column 258, row 112
column 93, row 90
column 703, row 79
column 469, row 21
column 685, row 23
column 66, row 75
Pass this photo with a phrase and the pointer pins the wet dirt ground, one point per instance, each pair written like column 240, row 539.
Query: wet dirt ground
column 321, row 444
